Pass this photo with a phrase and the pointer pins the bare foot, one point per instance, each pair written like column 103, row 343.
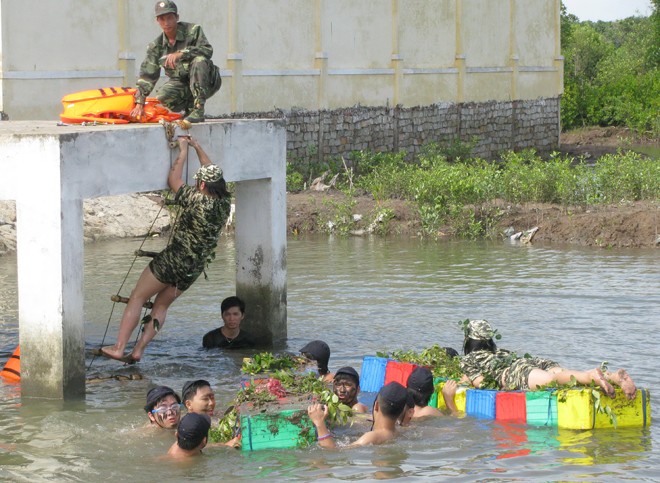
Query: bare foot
column 129, row 359
column 110, row 352
column 137, row 353
column 623, row 380
column 604, row 385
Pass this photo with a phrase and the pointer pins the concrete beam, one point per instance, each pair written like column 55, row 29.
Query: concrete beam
column 50, row 169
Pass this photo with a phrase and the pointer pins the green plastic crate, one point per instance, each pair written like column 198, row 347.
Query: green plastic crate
column 541, row 408
column 289, row 428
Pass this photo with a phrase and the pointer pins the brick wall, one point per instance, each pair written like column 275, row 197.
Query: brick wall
column 496, row 126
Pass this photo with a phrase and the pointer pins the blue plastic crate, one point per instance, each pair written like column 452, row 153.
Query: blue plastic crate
column 480, row 403
column 367, row 398
column 372, row 375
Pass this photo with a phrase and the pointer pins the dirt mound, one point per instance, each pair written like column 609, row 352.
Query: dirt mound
column 626, row 225
column 592, row 143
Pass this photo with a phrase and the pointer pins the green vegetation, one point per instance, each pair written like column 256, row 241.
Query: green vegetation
column 465, row 195
column 612, row 73
column 267, row 362
column 434, row 357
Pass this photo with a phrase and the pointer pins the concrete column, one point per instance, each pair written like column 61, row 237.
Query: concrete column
column 320, row 58
column 234, row 58
column 49, row 235
column 514, row 58
column 125, row 58
column 260, row 236
column 396, row 58
column 459, row 61
column 261, row 259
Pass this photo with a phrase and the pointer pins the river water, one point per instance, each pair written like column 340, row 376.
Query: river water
column 580, row 306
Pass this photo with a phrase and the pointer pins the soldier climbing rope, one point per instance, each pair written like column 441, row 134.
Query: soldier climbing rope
column 173, row 130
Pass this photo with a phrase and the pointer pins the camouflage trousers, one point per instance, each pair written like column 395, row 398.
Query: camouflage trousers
column 516, row 376
column 191, row 92
column 173, row 267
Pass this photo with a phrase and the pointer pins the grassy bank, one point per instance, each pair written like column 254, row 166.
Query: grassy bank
column 466, row 194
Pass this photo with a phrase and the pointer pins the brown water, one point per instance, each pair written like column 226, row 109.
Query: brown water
column 361, row 295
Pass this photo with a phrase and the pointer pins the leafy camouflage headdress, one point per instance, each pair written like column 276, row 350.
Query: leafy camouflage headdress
column 479, row 330
column 209, row 173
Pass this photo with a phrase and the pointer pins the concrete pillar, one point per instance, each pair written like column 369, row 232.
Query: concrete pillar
column 261, row 259
column 260, row 236
column 50, row 288
column 50, row 169
column 459, row 58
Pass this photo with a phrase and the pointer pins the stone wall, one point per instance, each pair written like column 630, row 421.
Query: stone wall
column 493, row 126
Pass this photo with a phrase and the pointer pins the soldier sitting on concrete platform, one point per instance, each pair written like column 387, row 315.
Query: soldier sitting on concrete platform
column 185, row 54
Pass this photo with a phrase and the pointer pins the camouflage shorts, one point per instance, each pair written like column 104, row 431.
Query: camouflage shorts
column 517, row 375
column 175, row 269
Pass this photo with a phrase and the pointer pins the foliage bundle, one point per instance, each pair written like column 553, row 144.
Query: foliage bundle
column 434, row 357
column 277, row 376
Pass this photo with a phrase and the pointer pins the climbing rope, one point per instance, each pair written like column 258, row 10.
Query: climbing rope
column 170, row 132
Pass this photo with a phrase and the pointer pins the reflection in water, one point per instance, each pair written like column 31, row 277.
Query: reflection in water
column 361, row 295
column 595, row 447
column 587, row 447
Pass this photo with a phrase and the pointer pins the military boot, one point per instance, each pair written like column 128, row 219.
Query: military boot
column 197, row 113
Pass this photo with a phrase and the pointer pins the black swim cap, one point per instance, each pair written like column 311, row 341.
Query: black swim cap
column 158, row 393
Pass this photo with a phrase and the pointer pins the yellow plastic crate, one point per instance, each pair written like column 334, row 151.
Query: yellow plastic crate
column 629, row 414
column 459, row 398
column 575, row 408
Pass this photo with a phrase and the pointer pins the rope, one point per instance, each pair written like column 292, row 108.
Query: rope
column 137, row 252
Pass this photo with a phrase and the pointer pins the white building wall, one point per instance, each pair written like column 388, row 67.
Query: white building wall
column 312, row 54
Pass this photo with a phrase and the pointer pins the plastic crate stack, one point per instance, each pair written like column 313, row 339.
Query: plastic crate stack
column 563, row 408
column 282, row 424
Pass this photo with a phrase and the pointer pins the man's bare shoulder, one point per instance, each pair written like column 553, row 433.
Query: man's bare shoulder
column 427, row 411
column 374, row 437
column 360, row 408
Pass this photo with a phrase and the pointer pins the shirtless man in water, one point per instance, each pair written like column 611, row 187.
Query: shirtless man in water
column 390, row 403
column 346, row 385
column 191, row 436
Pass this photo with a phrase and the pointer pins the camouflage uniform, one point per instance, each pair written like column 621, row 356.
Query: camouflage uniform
column 193, row 80
column 503, row 367
column 196, row 235
column 517, row 376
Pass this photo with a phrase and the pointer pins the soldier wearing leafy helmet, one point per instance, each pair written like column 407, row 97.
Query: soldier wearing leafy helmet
column 203, row 211
column 484, row 365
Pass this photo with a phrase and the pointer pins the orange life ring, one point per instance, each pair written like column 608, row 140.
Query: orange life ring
column 12, row 370
column 111, row 105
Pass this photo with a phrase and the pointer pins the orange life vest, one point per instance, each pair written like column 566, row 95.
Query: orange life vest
column 12, row 370
column 111, row 105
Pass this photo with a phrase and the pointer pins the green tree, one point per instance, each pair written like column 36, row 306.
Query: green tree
column 611, row 72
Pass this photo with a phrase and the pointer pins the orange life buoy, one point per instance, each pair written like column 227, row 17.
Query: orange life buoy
column 12, row 370
column 111, row 105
